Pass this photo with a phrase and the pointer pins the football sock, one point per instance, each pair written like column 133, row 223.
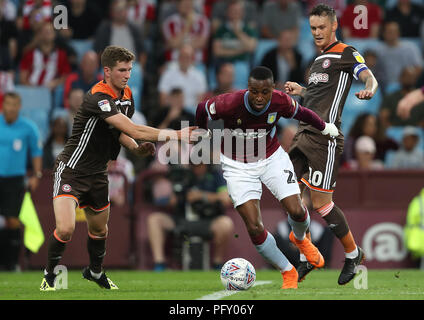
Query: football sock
column 56, row 246
column 96, row 250
column 302, row 256
column 299, row 227
column 336, row 221
column 267, row 247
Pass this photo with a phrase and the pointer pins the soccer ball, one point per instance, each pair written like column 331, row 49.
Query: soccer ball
column 238, row 274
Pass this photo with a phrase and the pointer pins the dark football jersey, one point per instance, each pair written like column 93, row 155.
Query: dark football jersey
column 93, row 141
column 243, row 125
column 330, row 78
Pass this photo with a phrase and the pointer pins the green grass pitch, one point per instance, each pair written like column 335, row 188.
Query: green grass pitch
column 404, row 284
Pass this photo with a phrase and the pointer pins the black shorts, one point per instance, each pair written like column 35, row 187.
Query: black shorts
column 316, row 160
column 12, row 191
column 87, row 190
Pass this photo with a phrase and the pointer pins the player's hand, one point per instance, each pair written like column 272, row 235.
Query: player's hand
column 364, row 94
column 190, row 134
column 146, row 149
column 330, row 129
column 293, row 88
column 404, row 108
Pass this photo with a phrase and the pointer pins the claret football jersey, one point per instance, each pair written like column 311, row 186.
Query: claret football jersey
column 243, row 125
column 330, row 78
column 93, row 141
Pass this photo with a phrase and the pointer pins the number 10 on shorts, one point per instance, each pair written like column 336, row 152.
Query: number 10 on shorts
column 315, row 177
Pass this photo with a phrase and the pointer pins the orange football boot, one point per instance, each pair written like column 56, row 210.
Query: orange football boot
column 290, row 279
column 311, row 252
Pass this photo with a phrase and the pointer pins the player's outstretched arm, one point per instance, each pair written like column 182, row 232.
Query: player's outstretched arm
column 408, row 102
column 146, row 133
column 310, row 117
column 371, row 85
column 142, row 150
column 294, row 89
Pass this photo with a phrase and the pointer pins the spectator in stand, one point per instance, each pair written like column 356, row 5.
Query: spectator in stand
column 8, row 10
column 142, row 13
column 119, row 31
column 224, row 80
column 85, row 77
column 285, row 61
column 186, row 27
column 120, row 173
column 44, row 10
column 409, row 16
column 234, row 40
column 55, row 142
column 409, row 156
column 75, row 99
column 368, row 124
column 172, row 115
column 219, row 14
column 280, row 15
column 372, row 62
column 46, row 65
column 185, row 75
column 395, row 54
column 8, row 41
column 390, row 102
column 364, row 28
column 83, row 20
column 365, row 150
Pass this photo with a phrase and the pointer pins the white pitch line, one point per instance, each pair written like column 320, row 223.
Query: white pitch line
column 225, row 293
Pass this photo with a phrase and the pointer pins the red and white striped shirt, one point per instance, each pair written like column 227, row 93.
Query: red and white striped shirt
column 174, row 25
column 46, row 11
column 142, row 11
column 44, row 68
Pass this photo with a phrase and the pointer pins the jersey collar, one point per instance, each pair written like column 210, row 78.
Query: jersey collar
column 250, row 109
column 331, row 46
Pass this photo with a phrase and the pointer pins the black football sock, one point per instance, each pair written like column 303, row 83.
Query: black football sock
column 55, row 251
column 96, row 251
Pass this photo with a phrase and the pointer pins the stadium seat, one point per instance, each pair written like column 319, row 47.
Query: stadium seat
column 263, row 46
column 392, row 87
column 36, row 105
column 81, row 47
column 362, row 45
column 136, row 84
column 58, row 97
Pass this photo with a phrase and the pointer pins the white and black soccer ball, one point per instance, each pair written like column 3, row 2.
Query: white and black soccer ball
column 238, row 274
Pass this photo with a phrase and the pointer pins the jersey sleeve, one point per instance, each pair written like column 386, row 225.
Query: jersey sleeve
column 288, row 107
column 101, row 105
column 353, row 62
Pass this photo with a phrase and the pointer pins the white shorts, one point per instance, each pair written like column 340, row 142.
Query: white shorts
column 244, row 180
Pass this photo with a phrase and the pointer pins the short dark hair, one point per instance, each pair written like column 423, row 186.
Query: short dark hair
column 114, row 54
column 13, row 95
column 323, row 10
column 176, row 91
column 261, row 73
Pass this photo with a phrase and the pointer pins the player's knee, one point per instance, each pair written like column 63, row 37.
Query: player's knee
column 65, row 233
column 255, row 228
column 297, row 213
column 98, row 232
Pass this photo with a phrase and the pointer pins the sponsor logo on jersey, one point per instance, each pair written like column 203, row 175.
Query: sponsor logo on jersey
column 212, row 108
column 272, row 117
column 66, row 188
column 318, row 77
column 326, row 63
column 249, row 134
column 358, row 57
column 104, row 105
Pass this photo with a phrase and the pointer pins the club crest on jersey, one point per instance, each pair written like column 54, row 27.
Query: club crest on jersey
column 326, row 63
column 104, row 105
column 66, row 188
column 272, row 117
column 238, row 121
column 358, row 57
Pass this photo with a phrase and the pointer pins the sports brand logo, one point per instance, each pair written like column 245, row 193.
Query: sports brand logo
column 104, row 105
column 318, row 77
column 212, row 108
column 66, row 188
column 326, row 63
column 358, row 57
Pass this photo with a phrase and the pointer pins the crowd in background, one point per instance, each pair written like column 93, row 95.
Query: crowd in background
column 189, row 50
